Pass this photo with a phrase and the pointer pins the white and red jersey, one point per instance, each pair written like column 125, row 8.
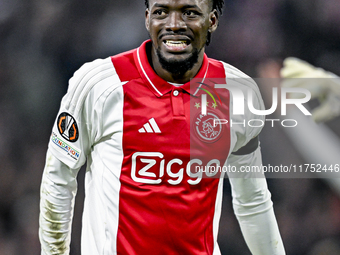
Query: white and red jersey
column 142, row 138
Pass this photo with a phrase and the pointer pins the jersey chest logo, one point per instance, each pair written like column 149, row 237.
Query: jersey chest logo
column 153, row 168
column 207, row 127
column 150, row 127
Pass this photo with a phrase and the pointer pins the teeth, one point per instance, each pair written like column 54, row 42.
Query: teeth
column 175, row 43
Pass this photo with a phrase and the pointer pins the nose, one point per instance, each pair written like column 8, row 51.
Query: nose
column 175, row 22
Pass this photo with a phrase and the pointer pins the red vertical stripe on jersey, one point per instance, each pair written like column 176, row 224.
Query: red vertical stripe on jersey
column 160, row 212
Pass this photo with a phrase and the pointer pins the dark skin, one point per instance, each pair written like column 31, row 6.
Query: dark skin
column 177, row 28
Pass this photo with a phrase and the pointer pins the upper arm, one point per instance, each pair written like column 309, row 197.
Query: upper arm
column 79, row 118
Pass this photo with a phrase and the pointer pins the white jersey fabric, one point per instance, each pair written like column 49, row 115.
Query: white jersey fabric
column 142, row 139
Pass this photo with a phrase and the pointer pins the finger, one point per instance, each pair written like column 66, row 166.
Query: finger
column 312, row 86
column 322, row 113
column 328, row 110
column 296, row 68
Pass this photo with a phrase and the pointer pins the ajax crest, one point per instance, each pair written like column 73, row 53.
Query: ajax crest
column 206, row 128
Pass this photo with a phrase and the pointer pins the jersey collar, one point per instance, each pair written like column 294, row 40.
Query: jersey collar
column 156, row 83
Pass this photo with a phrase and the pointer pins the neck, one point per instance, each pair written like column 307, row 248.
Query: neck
column 173, row 77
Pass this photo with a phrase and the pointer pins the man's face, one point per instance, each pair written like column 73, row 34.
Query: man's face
column 179, row 28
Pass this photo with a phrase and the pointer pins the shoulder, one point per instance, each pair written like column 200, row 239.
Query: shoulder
column 243, row 80
column 238, row 79
column 244, row 92
column 92, row 80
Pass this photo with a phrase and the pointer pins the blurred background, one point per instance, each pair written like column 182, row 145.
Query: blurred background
column 42, row 42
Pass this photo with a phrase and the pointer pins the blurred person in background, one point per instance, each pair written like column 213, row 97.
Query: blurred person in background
column 323, row 85
column 118, row 112
column 315, row 207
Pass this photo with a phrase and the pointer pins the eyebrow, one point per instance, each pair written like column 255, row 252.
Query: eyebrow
column 188, row 6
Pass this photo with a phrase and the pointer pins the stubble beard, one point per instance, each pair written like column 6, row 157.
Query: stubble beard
column 178, row 67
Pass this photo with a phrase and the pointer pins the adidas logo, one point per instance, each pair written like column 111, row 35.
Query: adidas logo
column 150, row 127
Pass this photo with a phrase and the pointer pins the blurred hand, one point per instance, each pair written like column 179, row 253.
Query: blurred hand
column 323, row 85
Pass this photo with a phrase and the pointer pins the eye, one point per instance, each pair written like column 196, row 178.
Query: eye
column 159, row 12
column 191, row 13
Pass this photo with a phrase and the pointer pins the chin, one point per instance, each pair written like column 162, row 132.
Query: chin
column 178, row 64
column 178, row 58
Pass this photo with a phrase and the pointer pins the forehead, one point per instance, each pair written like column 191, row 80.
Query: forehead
column 202, row 4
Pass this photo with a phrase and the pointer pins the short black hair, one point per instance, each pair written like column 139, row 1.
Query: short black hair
column 217, row 4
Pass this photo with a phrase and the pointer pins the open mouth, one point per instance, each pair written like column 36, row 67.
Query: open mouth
column 181, row 43
column 176, row 45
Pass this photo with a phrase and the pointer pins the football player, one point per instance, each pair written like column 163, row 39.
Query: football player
column 136, row 119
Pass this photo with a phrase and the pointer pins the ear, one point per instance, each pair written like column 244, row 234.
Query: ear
column 147, row 19
column 213, row 19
